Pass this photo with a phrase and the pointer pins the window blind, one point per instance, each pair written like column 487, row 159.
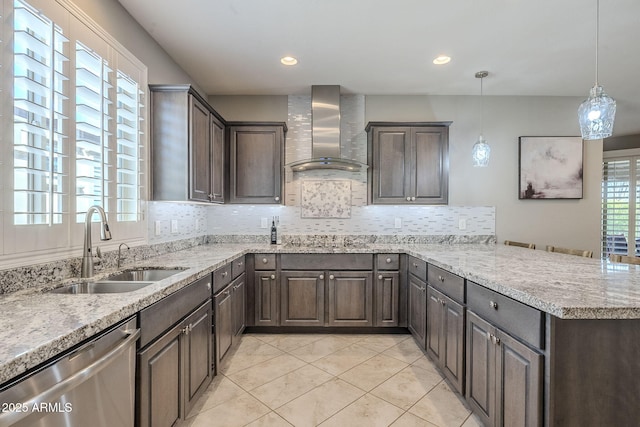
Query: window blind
column 40, row 116
column 619, row 184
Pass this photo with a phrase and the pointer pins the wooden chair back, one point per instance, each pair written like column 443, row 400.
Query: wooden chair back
column 625, row 259
column 579, row 252
column 520, row 244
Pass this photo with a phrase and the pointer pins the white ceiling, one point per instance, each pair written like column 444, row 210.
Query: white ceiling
column 532, row 47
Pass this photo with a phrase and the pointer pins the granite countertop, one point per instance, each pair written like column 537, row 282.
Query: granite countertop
column 36, row 326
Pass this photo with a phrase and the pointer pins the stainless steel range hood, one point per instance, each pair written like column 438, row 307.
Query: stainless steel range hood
column 325, row 133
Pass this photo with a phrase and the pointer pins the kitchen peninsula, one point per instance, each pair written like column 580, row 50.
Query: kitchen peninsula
column 589, row 311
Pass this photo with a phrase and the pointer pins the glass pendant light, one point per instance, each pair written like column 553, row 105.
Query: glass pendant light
column 481, row 149
column 597, row 113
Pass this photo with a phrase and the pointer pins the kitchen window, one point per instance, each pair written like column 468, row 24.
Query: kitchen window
column 620, row 197
column 77, row 130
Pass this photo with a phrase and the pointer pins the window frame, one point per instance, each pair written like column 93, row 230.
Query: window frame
column 44, row 243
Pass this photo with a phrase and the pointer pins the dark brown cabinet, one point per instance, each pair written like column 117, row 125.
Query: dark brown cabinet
column 445, row 336
column 266, row 298
column 174, row 360
column 350, row 298
column 302, row 298
column 409, row 162
column 223, row 308
column 388, row 293
column 417, row 300
column 187, row 146
column 504, row 368
column 256, row 153
column 239, row 302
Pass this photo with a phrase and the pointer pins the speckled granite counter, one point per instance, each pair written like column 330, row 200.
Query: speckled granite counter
column 36, row 326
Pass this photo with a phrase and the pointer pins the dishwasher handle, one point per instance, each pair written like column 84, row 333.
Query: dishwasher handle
column 70, row 382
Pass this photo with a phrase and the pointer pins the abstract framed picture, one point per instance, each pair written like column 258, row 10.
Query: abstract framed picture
column 550, row 167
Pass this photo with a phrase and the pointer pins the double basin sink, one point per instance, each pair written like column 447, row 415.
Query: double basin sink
column 125, row 281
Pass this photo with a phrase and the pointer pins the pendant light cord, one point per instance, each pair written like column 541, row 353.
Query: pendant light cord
column 597, row 35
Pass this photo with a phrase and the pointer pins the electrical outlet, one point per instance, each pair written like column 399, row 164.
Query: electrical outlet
column 264, row 223
column 462, row 223
column 158, row 228
column 174, row 226
column 397, row 223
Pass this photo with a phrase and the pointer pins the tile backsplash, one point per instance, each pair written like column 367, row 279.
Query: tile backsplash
column 314, row 219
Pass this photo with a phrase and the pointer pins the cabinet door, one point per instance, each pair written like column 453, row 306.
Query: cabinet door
column 452, row 345
column 256, row 164
column 435, row 314
column 217, row 160
column 160, row 382
column 481, row 374
column 391, row 164
column 198, row 355
column 302, row 298
column 387, row 295
column 224, row 323
column 199, row 151
column 519, row 383
column 266, row 299
column 417, row 307
column 350, row 298
column 430, row 166
column 239, row 304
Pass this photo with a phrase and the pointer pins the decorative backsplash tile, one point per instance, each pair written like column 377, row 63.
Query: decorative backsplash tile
column 326, row 199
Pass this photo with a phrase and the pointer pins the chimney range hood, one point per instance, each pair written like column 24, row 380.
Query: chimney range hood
column 325, row 133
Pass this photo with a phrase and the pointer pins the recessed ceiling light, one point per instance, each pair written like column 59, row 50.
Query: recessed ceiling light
column 288, row 60
column 442, row 59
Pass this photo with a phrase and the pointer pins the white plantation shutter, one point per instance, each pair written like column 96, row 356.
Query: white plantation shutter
column 93, row 117
column 620, row 196
column 76, row 137
column 40, row 118
column 129, row 123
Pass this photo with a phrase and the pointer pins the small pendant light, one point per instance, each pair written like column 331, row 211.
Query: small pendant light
column 481, row 149
column 597, row 113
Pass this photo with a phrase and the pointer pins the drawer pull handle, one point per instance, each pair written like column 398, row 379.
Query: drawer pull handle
column 273, row 277
column 443, row 302
column 388, row 260
column 240, row 264
column 225, row 273
column 408, row 199
column 322, row 277
column 265, row 261
column 493, row 305
column 331, row 277
column 415, row 265
column 277, row 199
column 209, row 285
column 227, row 293
column 441, row 279
column 380, row 277
column 423, row 289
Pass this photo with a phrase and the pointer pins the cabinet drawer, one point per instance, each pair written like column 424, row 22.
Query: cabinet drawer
column 522, row 321
column 387, row 261
column 446, row 282
column 221, row 277
column 418, row 268
column 237, row 267
column 326, row 262
column 160, row 316
column 265, row 261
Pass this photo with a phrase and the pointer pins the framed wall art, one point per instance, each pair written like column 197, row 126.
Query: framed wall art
column 550, row 167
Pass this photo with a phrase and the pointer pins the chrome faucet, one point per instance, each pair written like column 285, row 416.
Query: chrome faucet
column 119, row 249
column 105, row 234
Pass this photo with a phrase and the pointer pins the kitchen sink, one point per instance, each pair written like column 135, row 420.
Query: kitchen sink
column 101, row 287
column 143, row 275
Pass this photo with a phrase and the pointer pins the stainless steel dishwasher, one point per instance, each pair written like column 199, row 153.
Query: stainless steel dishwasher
column 93, row 385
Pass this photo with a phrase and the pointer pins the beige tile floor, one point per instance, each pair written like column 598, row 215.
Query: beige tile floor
column 329, row 380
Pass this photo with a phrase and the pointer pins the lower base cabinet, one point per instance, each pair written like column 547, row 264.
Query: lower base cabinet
column 445, row 336
column 417, row 309
column 229, row 308
column 504, row 377
column 175, row 370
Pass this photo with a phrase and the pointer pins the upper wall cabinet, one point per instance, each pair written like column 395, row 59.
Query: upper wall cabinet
column 256, row 152
column 187, row 146
column 408, row 162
